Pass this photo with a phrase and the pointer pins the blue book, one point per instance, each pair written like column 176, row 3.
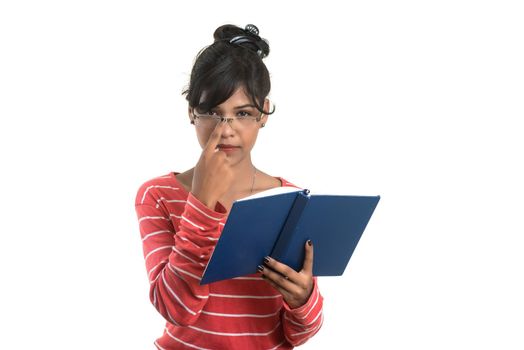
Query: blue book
column 276, row 224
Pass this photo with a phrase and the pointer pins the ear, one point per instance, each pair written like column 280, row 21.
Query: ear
column 190, row 115
column 267, row 105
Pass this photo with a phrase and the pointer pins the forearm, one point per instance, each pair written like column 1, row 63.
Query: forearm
column 175, row 264
column 302, row 323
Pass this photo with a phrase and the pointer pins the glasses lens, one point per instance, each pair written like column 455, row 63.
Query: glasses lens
column 246, row 122
column 206, row 121
column 237, row 123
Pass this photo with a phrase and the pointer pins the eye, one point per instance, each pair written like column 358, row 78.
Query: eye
column 210, row 113
column 243, row 114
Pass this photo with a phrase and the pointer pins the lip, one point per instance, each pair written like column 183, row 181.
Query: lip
column 227, row 148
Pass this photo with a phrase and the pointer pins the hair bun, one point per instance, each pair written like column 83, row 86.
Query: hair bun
column 227, row 32
column 247, row 38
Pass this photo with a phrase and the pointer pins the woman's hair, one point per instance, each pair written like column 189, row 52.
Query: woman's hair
column 233, row 61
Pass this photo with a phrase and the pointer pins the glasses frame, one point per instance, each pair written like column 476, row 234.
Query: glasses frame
column 220, row 118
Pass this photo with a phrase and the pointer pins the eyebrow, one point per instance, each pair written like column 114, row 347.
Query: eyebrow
column 237, row 107
column 244, row 106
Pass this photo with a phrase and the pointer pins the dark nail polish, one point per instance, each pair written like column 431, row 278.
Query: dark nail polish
column 309, row 243
column 260, row 268
column 267, row 259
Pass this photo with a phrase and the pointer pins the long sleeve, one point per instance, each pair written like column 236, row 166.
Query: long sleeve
column 179, row 234
column 175, row 261
column 302, row 323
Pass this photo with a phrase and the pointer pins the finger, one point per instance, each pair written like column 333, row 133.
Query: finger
column 308, row 259
column 214, row 138
column 282, row 291
column 281, row 268
column 279, row 281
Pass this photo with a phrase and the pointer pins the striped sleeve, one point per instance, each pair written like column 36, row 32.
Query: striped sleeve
column 175, row 261
column 302, row 323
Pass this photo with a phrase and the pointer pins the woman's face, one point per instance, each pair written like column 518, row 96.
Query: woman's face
column 240, row 135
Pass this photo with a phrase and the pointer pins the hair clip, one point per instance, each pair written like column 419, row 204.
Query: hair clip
column 241, row 39
column 238, row 40
column 252, row 29
column 251, row 38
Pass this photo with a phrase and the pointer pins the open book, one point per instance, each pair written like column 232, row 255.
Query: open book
column 279, row 221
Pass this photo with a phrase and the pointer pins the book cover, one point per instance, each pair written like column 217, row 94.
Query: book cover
column 279, row 221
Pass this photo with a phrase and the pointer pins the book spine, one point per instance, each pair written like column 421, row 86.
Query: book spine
column 280, row 248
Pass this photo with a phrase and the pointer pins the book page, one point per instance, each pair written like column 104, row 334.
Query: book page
column 271, row 192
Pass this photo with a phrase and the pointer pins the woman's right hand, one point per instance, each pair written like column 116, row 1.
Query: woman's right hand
column 213, row 174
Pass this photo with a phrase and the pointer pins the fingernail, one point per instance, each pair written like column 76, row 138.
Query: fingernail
column 309, row 243
column 260, row 268
column 267, row 259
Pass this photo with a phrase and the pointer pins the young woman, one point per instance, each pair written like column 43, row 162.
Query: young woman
column 181, row 216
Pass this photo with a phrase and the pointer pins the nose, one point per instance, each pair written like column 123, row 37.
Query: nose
column 229, row 129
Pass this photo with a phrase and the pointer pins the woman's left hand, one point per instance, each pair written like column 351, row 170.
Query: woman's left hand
column 295, row 287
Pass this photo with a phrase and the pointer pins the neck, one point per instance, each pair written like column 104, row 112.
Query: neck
column 243, row 173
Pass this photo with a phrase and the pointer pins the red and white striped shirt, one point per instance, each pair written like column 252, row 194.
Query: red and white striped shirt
column 179, row 234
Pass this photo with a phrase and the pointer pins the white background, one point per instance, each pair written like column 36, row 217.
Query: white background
column 417, row 101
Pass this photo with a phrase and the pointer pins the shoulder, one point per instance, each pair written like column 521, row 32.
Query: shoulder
column 153, row 190
column 287, row 183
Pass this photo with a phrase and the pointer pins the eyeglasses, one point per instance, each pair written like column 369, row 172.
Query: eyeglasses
column 243, row 120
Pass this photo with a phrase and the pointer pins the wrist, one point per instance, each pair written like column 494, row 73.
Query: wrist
column 208, row 202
